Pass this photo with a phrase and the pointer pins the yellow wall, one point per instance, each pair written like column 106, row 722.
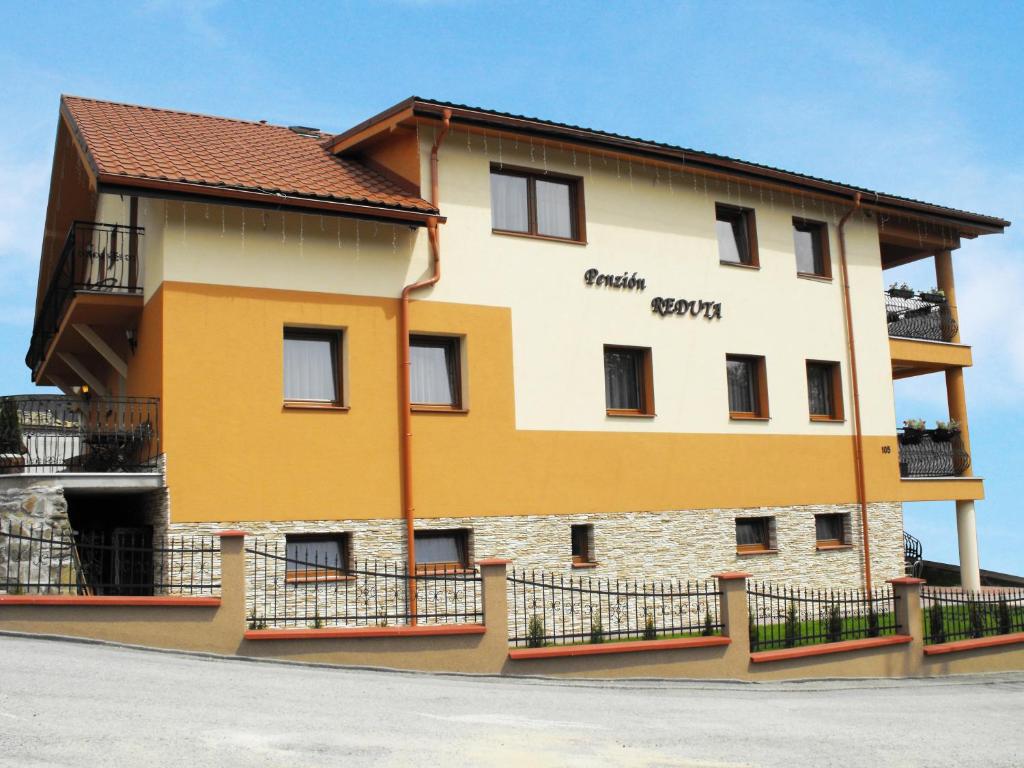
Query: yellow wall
column 235, row 453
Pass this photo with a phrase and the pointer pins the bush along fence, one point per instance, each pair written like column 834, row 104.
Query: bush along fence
column 952, row 615
column 40, row 560
column 549, row 609
column 307, row 587
column 788, row 617
column 287, row 604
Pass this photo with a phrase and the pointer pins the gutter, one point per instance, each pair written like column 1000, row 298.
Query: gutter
column 405, row 400
column 858, row 438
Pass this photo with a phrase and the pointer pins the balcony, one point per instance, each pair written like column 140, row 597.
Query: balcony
column 925, row 316
column 99, row 261
column 56, row 434
column 930, row 453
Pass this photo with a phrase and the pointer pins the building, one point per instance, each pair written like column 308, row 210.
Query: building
column 626, row 358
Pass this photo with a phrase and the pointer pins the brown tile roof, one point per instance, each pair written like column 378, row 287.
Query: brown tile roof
column 129, row 141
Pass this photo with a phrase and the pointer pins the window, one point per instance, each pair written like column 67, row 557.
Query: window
column 543, row 205
column 435, row 373
column 824, row 391
column 628, row 381
column 832, row 530
column 311, row 366
column 748, row 387
column 582, row 540
column 737, row 235
column 754, row 534
column 316, row 557
column 442, row 550
column 810, row 241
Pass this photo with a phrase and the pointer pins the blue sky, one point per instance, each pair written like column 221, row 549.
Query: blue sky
column 918, row 99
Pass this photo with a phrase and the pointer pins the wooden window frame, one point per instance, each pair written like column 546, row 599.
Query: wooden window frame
column 726, row 212
column 306, row 575
column 584, row 532
column 577, row 209
column 337, row 339
column 462, row 542
column 768, row 546
column 761, row 413
column 835, row 372
column 645, row 360
column 844, row 542
column 454, row 344
column 820, row 231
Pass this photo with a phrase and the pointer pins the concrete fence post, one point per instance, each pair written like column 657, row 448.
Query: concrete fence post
column 230, row 621
column 910, row 618
column 493, row 573
column 735, row 621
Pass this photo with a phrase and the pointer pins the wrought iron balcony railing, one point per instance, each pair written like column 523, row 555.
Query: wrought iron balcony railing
column 55, row 433
column 919, row 316
column 932, row 453
column 96, row 258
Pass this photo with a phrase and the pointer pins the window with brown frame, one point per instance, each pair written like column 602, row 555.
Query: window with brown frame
column 824, row 391
column 754, row 534
column 810, row 241
column 435, row 372
column 526, row 202
column 317, row 557
column 312, row 372
column 736, row 230
column 582, row 544
column 832, row 530
column 628, row 381
column 442, row 550
column 748, row 386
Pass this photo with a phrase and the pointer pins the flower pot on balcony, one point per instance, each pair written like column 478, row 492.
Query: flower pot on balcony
column 932, row 298
column 940, row 435
column 911, row 436
column 901, row 293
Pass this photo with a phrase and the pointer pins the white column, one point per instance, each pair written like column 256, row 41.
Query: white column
column 967, row 533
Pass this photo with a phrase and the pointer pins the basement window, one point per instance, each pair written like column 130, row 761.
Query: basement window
column 442, row 550
column 317, row 557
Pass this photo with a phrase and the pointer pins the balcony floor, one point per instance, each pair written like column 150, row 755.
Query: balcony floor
column 915, row 357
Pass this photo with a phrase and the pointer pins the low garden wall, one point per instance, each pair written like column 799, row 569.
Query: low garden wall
column 724, row 642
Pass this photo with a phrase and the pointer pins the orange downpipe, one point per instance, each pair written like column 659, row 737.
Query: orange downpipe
column 858, row 438
column 405, row 405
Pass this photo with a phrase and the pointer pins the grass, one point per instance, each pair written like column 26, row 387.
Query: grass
column 956, row 621
column 815, row 632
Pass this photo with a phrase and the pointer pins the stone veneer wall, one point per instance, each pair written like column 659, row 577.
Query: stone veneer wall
column 685, row 544
column 37, row 509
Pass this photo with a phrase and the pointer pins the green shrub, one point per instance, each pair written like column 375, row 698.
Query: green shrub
column 708, row 628
column 10, row 428
column 596, row 630
column 257, row 622
column 1003, row 619
column 873, row 628
column 936, row 624
column 976, row 618
column 317, row 622
column 650, row 633
column 792, row 628
column 834, row 624
column 752, row 631
column 535, row 632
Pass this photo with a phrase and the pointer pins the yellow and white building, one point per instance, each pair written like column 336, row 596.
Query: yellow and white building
column 638, row 359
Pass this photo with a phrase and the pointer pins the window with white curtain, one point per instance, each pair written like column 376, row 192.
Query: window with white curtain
column 627, row 381
column 547, row 205
column 434, row 371
column 447, row 549
column 311, row 366
column 748, row 391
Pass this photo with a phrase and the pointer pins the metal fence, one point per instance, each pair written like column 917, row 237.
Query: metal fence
column 310, row 590
column 922, row 454
column 786, row 617
column 912, row 317
column 955, row 614
column 96, row 257
column 58, row 561
column 59, row 433
column 550, row 609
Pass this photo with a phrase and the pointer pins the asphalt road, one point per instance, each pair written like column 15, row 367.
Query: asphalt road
column 75, row 704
